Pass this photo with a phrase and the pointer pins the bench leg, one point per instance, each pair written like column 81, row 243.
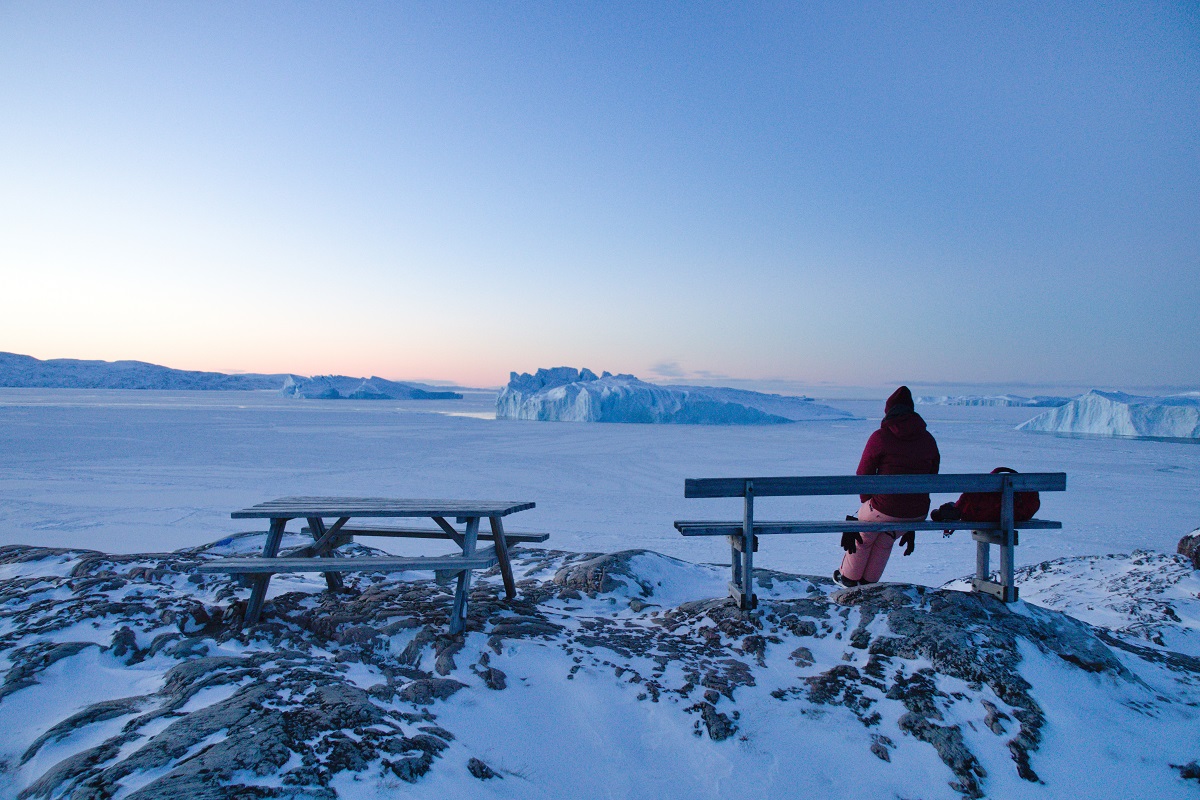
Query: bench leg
column 258, row 594
column 735, row 561
column 983, row 557
column 510, row 586
column 1007, row 569
column 744, row 588
column 458, row 611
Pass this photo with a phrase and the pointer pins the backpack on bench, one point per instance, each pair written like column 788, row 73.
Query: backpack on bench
column 985, row 506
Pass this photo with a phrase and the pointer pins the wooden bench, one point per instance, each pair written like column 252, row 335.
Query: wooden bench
column 743, row 536
column 320, row 556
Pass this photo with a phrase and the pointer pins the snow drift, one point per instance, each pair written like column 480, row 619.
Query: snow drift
column 564, row 394
column 1119, row 414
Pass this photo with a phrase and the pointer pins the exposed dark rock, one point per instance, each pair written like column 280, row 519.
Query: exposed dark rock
column 948, row 741
column 1189, row 771
column 719, row 726
column 605, row 572
column 1189, row 547
column 481, row 770
column 424, row 691
column 802, row 656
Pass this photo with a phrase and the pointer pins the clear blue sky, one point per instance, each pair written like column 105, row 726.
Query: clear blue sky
column 854, row 193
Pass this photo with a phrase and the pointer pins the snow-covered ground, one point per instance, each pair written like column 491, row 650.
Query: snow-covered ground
column 624, row 675
column 137, row 471
column 1118, row 414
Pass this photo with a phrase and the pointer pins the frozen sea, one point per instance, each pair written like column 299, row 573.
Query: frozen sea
column 137, row 471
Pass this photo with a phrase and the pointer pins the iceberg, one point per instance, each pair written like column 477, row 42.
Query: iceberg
column 335, row 387
column 1037, row 401
column 1119, row 414
column 565, row 394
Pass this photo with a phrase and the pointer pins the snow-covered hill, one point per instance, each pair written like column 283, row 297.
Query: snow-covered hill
column 623, row 675
column 69, row 373
column 564, row 394
column 1119, row 414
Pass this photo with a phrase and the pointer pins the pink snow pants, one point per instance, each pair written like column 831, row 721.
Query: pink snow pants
column 869, row 559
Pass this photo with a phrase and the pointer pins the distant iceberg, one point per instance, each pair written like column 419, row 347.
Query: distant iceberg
column 1119, row 414
column 1037, row 401
column 336, row 387
column 565, row 394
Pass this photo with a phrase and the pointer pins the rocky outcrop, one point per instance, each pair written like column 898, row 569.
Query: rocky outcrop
column 356, row 684
column 1189, row 548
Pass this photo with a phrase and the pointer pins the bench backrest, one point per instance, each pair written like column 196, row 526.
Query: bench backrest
column 874, row 484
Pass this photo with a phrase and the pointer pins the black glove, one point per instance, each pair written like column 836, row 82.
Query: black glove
column 946, row 512
column 851, row 540
column 909, row 538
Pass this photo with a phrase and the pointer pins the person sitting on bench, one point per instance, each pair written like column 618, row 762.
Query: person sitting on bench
column 901, row 446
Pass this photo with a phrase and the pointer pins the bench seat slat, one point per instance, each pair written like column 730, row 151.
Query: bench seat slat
column 484, row 559
column 430, row 533
column 811, row 485
column 714, row 528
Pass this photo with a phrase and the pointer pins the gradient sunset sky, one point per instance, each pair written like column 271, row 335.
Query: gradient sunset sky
column 844, row 192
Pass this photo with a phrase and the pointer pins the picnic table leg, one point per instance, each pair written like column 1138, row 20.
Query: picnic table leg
column 258, row 594
column 332, row 579
column 458, row 611
column 510, row 587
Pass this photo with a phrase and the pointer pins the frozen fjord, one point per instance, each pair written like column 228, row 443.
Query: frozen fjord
column 141, row 471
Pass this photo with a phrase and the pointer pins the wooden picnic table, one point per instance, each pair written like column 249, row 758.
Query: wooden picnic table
column 320, row 556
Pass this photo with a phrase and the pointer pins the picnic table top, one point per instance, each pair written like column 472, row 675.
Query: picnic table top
column 304, row 507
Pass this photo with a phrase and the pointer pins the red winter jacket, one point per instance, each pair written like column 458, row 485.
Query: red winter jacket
column 901, row 446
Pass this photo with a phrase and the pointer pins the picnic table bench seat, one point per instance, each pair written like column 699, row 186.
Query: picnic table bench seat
column 483, row 559
column 743, row 535
column 321, row 555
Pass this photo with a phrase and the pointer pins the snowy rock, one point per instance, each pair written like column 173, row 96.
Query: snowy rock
column 1118, row 414
column 1189, row 548
column 362, row 695
column 1037, row 401
column 564, row 394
